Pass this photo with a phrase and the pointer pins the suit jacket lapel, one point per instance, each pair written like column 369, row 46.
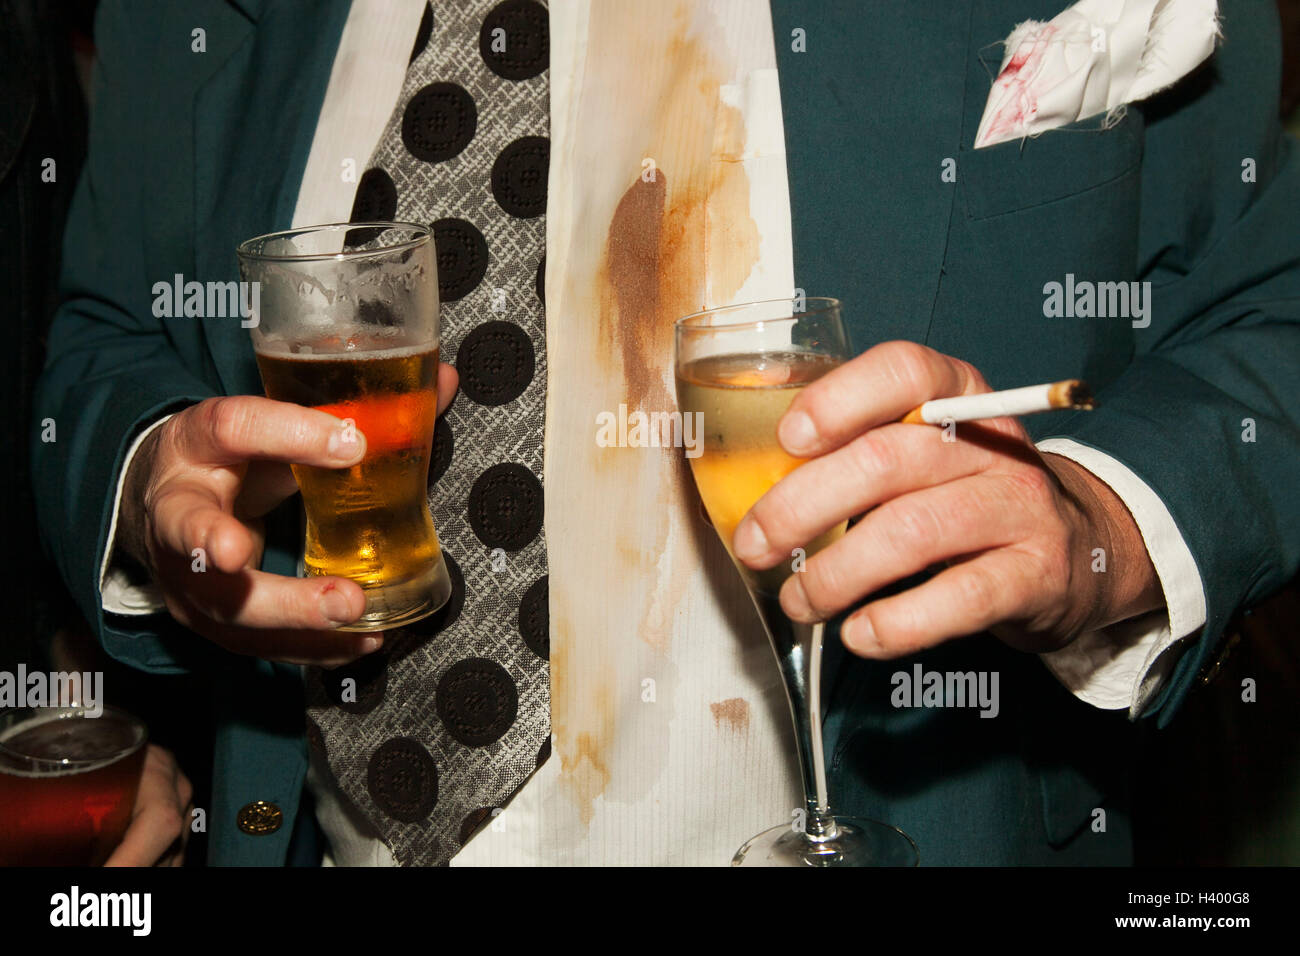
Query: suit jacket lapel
column 254, row 119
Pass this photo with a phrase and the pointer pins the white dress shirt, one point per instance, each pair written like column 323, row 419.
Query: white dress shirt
column 689, row 763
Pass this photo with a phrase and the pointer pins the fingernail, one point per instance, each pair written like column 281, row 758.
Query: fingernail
column 797, row 433
column 859, row 636
column 336, row 608
column 749, row 542
column 343, row 442
column 794, row 599
column 371, row 644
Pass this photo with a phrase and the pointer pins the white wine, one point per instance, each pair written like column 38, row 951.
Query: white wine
column 742, row 398
column 739, row 399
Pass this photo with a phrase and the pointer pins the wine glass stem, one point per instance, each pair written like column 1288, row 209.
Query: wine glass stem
column 798, row 649
column 812, row 756
column 820, row 809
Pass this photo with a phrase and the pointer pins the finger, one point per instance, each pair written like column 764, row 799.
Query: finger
column 156, row 820
column 152, row 831
column 448, row 379
column 965, row 599
column 250, row 598
column 239, row 428
column 880, row 464
column 187, row 515
column 268, row 483
column 327, row 649
column 902, row 537
column 323, row 648
column 881, row 385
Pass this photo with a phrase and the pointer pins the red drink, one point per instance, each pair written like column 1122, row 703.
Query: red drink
column 67, row 785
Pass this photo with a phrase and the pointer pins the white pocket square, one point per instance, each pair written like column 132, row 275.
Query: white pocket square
column 1093, row 58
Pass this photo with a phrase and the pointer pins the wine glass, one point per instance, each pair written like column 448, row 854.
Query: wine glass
column 740, row 367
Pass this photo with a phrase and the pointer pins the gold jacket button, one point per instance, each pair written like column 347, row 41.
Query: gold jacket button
column 260, row 818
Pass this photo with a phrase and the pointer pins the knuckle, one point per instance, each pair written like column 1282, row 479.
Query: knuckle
column 824, row 583
column 227, row 420
column 898, row 625
column 910, row 527
column 872, row 455
column 970, row 375
column 193, row 533
column 976, row 588
column 912, row 367
column 169, row 445
column 294, row 608
column 169, row 821
column 1052, row 565
column 777, row 514
column 1032, row 485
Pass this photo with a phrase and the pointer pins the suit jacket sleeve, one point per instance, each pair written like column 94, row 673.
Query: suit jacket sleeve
column 1207, row 413
column 111, row 366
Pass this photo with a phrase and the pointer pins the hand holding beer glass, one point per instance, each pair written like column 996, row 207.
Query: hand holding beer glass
column 206, row 477
column 353, row 332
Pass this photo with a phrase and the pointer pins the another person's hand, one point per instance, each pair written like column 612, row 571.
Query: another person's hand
column 159, row 827
column 1016, row 529
column 204, row 479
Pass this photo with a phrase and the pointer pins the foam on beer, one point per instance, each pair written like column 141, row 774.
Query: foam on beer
column 100, row 740
column 361, row 346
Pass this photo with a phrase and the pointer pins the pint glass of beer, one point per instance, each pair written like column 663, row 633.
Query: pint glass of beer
column 346, row 321
column 68, row 784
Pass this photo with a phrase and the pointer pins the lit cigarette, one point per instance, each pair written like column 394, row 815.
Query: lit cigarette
column 1029, row 400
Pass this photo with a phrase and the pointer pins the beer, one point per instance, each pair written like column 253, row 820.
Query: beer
column 67, row 786
column 742, row 398
column 354, row 332
column 370, row 523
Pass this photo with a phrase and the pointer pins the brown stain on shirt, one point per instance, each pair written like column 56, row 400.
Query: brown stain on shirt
column 676, row 242
column 682, row 237
column 580, row 738
column 631, row 276
column 732, row 714
column 587, row 771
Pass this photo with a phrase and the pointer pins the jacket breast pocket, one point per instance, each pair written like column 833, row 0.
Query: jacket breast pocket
column 1054, row 165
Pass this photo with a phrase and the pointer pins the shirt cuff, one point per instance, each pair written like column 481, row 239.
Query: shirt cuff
column 1125, row 665
column 119, row 593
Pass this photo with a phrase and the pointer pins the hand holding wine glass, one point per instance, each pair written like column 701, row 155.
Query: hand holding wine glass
column 740, row 368
column 1017, row 528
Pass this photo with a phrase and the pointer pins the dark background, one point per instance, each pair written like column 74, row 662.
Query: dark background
column 46, row 51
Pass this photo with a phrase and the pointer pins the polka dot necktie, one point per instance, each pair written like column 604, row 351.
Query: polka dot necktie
column 429, row 735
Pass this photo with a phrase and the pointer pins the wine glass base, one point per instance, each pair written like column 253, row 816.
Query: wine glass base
column 856, row 842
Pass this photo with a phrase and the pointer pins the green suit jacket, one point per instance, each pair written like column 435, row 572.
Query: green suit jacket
column 192, row 152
